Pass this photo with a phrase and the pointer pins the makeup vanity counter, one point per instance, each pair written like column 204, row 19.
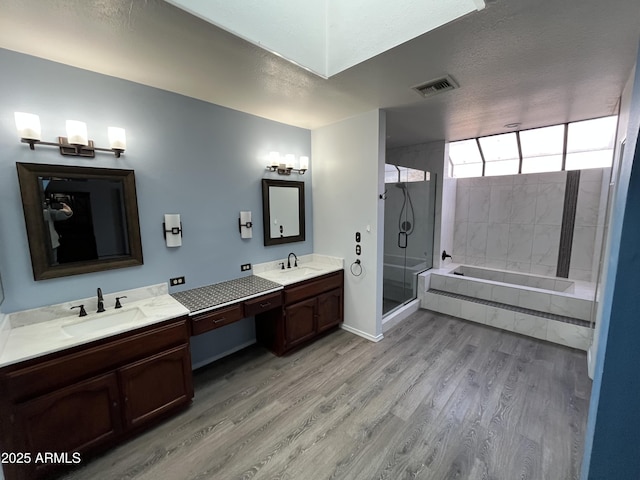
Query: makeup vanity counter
column 260, row 295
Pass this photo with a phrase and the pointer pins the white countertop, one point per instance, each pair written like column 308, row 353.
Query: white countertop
column 33, row 333
column 32, row 340
column 309, row 266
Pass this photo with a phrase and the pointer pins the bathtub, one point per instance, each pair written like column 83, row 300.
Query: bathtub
column 396, row 277
column 535, row 305
column 523, row 279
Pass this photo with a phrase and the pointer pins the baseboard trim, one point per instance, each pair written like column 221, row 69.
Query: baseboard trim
column 221, row 355
column 362, row 334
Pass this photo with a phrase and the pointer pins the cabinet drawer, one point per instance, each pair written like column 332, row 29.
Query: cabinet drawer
column 215, row 319
column 312, row 288
column 262, row 304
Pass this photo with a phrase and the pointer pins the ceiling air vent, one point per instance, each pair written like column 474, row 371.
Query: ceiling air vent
column 434, row 87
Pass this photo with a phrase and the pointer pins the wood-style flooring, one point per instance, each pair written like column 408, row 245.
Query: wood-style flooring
column 438, row 398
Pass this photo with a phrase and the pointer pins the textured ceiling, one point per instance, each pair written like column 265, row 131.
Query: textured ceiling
column 536, row 62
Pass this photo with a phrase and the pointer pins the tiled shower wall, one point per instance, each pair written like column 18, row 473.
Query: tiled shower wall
column 514, row 222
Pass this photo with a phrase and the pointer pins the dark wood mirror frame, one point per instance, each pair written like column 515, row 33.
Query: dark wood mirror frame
column 266, row 216
column 28, row 174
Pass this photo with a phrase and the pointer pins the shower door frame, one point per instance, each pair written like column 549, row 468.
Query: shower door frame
column 410, row 278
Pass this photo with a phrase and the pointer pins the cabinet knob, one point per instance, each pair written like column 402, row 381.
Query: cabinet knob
column 115, row 404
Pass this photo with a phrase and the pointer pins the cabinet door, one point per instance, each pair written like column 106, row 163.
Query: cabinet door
column 156, row 385
column 329, row 309
column 300, row 322
column 72, row 419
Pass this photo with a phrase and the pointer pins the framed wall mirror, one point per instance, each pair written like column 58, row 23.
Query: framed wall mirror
column 283, row 211
column 79, row 219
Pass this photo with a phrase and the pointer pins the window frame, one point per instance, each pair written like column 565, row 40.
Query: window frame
column 519, row 143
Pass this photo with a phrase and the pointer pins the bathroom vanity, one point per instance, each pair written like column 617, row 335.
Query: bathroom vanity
column 310, row 309
column 73, row 386
column 93, row 395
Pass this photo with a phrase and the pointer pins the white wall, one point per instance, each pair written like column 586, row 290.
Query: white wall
column 431, row 157
column 447, row 220
column 623, row 123
column 348, row 176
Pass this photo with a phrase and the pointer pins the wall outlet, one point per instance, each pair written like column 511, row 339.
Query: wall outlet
column 176, row 281
column 245, row 266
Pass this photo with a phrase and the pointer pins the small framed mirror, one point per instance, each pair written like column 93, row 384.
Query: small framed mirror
column 79, row 219
column 283, row 211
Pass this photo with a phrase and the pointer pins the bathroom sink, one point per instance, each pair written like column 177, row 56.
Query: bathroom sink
column 103, row 321
column 296, row 273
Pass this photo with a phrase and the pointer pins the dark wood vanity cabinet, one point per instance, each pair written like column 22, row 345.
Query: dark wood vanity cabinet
column 92, row 396
column 310, row 308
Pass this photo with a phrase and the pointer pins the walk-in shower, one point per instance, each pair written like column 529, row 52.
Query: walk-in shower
column 409, row 214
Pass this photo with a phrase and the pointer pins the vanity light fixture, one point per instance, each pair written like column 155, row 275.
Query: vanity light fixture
column 172, row 227
column 245, row 225
column 76, row 143
column 285, row 165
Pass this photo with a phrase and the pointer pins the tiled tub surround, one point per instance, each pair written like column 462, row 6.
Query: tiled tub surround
column 37, row 332
column 515, row 297
column 513, row 222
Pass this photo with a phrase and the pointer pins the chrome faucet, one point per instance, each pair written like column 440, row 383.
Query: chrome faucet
column 289, row 260
column 100, row 301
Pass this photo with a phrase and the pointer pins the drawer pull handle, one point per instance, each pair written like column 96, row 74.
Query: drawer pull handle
column 265, row 305
column 218, row 320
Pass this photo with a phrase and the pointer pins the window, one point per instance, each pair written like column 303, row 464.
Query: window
column 588, row 144
column 396, row 174
column 500, row 154
column 465, row 158
column 542, row 149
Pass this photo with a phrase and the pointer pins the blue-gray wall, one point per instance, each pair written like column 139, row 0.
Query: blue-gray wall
column 612, row 444
column 190, row 157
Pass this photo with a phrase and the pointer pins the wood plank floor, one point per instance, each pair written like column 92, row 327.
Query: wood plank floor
column 438, row 398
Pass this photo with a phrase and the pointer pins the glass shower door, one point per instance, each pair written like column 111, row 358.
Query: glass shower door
column 409, row 216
